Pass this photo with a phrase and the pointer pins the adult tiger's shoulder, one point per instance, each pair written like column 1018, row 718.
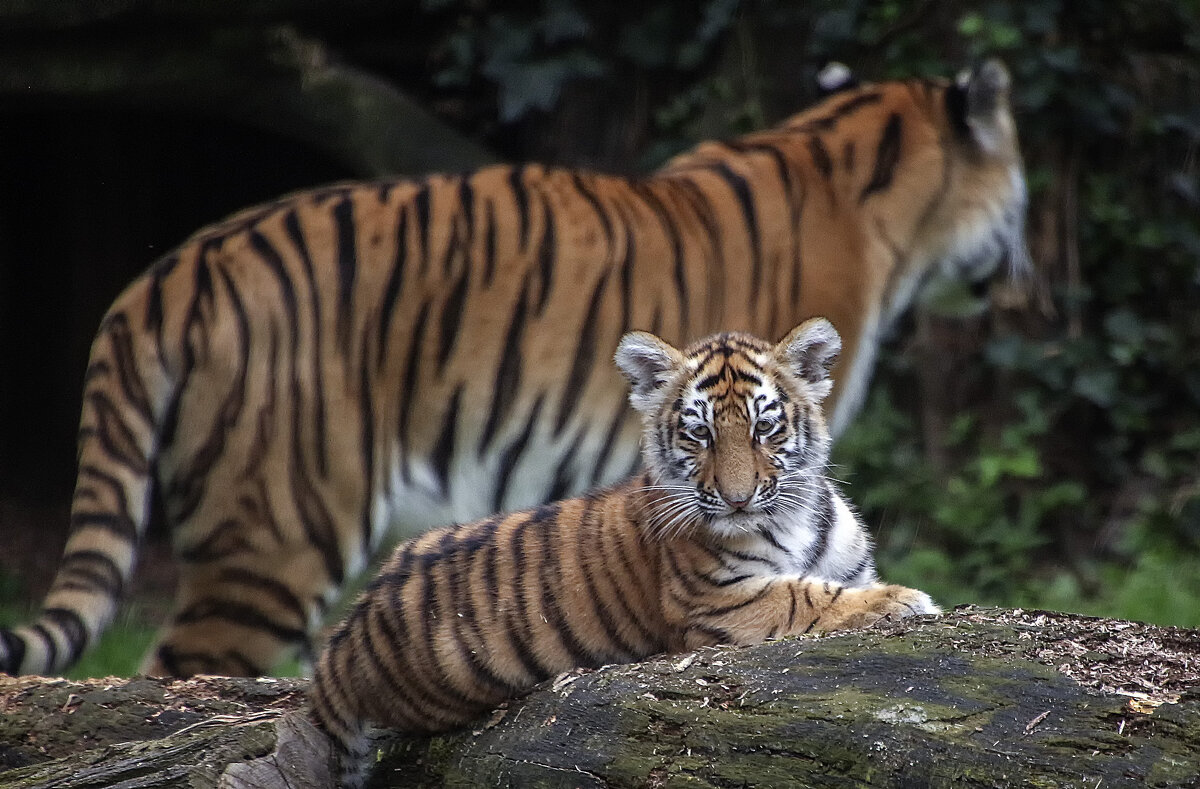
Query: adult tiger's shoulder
column 296, row 381
column 732, row 535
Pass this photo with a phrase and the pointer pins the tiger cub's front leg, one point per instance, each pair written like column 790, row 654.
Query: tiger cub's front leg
column 759, row 609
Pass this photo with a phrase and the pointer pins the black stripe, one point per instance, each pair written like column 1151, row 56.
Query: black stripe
column 584, row 360
column 51, row 646
column 728, row 609
column 545, row 258
column 820, row 156
column 564, row 472
column 100, row 565
column 397, row 683
column 516, row 182
column 391, row 291
column 766, row 533
column 452, row 312
column 667, row 220
column 227, row 538
column 434, row 610
column 466, row 203
column 115, row 436
column 745, row 197
column 864, row 562
column 508, row 375
column 366, row 407
column 511, row 456
column 443, row 450
column 823, row 510
column 468, row 618
column 132, row 386
column 347, row 266
column 750, row 557
column 264, row 587
column 521, row 625
column 887, row 156
column 421, row 203
column 13, row 651
column 610, row 440
column 720, row 635
column 711, row 580
column 408, row 386
column 746, row 377
column 791, row 621
column 116, row 524
column 702, row 209
column 549, row 570
column 400, row 635
column 489, row 244
column 241, row 614
column 683, row 578
column 318, row 524
column 589, row 528
column 841, row 110
column 627, row 266
column 286, row 289
column 296, row 236
column 528, row 663
column 154, row 303
column 187, row 486
column 70, row 624
column 594, row 202
column 174, row 660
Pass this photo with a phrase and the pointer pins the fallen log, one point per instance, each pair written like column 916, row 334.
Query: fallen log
column 976, row 698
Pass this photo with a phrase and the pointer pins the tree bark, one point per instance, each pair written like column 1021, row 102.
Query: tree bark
column 270, row 77
column 976, row 698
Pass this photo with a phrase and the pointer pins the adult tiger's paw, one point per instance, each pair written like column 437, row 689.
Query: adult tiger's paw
column 873, row 605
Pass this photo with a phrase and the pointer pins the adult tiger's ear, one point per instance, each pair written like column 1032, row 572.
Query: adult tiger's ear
column 809, row 351
column 835, row 77
column 978, row 106
column 647, row 362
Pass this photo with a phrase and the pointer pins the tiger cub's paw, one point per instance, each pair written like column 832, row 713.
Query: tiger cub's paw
column 874, row 605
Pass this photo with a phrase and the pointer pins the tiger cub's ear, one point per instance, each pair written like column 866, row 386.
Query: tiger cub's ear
column 647, row 362
column 809, row 351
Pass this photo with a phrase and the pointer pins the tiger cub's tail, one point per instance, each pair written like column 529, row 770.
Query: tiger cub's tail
column 347, row 733
column 109, row 512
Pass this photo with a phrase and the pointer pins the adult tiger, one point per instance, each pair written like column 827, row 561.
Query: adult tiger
column 295, row 381
column 732, row 535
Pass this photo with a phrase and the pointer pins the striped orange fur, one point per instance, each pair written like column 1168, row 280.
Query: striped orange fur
column 733, row 535
column 298, row 382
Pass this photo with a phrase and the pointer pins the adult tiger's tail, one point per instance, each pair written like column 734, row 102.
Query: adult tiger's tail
column 110, row 510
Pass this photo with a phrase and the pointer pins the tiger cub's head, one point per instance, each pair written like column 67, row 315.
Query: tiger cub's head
column 734, row 433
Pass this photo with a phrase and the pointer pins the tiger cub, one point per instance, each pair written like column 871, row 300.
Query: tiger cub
column 732, row 534
column 293, row 387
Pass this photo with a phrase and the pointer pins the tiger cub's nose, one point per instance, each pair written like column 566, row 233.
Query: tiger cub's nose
column 737, row 502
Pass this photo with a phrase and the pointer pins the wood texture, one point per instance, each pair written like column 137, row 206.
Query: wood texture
column 976, row 698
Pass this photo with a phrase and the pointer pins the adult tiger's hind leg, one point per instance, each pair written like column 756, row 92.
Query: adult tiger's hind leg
column 242, row 608
column 245, row 626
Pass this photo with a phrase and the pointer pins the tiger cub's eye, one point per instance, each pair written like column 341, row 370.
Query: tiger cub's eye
column 764, row 428
column 699, row 433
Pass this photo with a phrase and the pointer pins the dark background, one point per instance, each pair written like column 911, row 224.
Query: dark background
column 1038, row 447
